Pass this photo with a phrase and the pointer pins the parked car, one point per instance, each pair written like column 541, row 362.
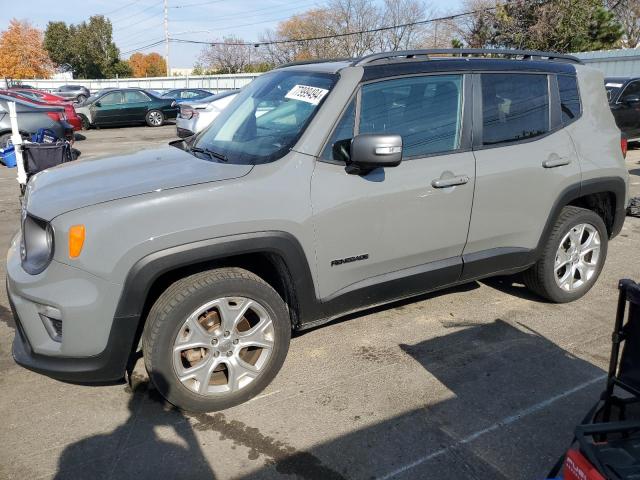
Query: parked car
column 196, row 116
column 181, row 95
column 126, row 106
column 31, row 118
column 40, row 95
column 623, row 94
column 69, row 111
column 76, row 93
column 321, row 190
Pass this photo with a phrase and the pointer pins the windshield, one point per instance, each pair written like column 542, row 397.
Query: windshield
column 267, row 117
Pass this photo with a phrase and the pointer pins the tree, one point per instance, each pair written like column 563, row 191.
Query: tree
column 627, row 14
column 22, row 53
column 349, row 28
column 229, row 55
column 476, row 30
column 151, row 65
column 88, row 47
column 556, row 25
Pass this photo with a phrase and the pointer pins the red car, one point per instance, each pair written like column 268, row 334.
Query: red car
column 43, row 98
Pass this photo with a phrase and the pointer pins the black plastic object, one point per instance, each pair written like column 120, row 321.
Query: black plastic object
column 633, row 210
column 40, row 156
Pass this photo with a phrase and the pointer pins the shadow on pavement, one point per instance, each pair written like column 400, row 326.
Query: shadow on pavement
column 514, row 400
column 513, row 285
column 504, row 406
column 136, row 449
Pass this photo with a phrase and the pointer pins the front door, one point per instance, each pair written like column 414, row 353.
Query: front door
column 402, row 222
column 627, row 114
column 108, row 109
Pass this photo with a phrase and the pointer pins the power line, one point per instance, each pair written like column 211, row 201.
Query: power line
column 257, row 10
column 154, row 44
column 337, row 35
column 197, row 4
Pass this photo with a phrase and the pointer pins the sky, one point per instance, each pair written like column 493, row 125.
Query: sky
column 137, row 23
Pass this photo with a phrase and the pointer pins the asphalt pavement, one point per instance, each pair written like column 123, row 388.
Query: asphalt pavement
column 484, row 381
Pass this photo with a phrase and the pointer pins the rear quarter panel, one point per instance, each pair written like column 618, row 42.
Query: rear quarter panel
column 596, row 135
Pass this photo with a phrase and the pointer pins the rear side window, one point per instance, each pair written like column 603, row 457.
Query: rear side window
column 425, row 111
column 569, row 98
column 515, row 107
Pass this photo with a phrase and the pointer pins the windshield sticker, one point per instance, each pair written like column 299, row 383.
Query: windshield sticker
column 304, row 93
column 613, row 85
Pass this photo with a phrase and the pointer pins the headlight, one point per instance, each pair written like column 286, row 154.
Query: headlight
column 36, row 248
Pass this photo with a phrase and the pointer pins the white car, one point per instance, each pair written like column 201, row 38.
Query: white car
column 196, row 116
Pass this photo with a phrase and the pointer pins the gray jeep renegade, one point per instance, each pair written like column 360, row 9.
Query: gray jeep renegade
column 324, row 188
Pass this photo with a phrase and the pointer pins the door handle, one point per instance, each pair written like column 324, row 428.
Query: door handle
column 555, row 161
column 449, row 182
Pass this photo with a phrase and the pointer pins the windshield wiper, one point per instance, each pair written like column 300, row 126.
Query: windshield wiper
column 211, row 153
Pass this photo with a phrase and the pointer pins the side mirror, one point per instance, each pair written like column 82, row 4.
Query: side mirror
column 631, row 99
column 98, row 104
column 371, row 150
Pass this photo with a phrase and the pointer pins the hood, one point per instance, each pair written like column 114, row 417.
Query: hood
column 88, row 182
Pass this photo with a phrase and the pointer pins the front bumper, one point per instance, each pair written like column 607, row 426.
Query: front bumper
column 106, row 368
column 95, row 347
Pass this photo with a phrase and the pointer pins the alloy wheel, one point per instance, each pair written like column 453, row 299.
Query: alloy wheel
column 155, row 118
column 223, row 345
column 577, row 258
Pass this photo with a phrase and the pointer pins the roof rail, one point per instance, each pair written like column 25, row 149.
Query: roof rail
column 465, row 52
column 311, row 62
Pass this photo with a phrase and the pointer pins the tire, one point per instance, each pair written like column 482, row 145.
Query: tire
column 81, row 98
column 185, row 314
column 154, row 118
column 4, row 139
column 577, row 269
column 85, row 122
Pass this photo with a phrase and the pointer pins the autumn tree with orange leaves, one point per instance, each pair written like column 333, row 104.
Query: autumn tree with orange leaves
column 23, row 55
column 151, row 65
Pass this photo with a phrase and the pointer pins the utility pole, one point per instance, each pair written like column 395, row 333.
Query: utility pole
column 166, row 37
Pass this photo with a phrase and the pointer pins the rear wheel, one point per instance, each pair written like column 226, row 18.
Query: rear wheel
column 154, row 118
column 216, row 339
column 572, row 258
column 81, row 98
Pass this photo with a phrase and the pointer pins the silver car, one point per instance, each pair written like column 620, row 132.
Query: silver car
column 322, row 189
column 196, row 116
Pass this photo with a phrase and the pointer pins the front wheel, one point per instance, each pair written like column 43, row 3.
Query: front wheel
column 215, row 339
column 154, row 118
column 573, row 257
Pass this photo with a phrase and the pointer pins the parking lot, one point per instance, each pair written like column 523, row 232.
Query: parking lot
column 484, row 381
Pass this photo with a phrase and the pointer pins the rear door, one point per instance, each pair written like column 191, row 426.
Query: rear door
column 135, row 105
column 107, row 110
column 524, row 160
column 394, row 224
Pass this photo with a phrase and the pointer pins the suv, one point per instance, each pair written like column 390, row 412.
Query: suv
column 76, row 93
column 322, row 189
column 624, row 99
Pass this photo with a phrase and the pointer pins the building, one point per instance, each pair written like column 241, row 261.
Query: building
column 614, row 63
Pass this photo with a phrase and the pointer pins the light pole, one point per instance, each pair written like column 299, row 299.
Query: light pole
column 166, row 36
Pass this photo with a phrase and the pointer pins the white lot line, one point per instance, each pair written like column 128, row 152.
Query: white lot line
column 502, row 423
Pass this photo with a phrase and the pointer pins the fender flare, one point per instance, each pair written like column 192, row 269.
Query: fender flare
column 148, row 269
column 615, row 185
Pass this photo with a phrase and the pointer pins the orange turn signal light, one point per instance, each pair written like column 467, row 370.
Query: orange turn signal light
column 76, row 240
